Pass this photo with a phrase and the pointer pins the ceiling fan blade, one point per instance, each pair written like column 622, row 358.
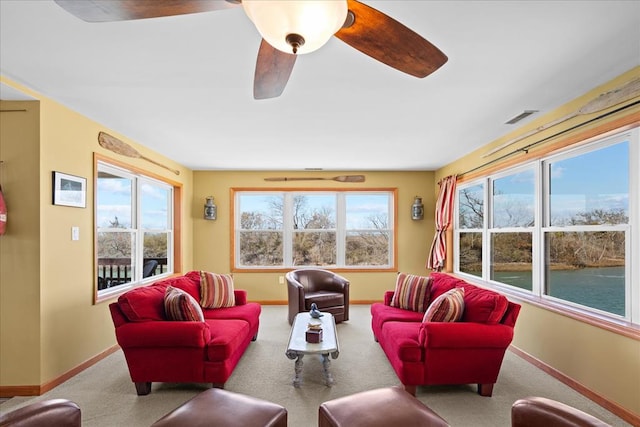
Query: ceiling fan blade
column 124, row 10
column 385, row 39
column 273, row 69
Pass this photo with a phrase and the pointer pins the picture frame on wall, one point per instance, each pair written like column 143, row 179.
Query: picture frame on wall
column 69, row 190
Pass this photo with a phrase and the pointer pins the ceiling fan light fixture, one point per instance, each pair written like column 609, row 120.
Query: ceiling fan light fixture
column 311, row 21
column 296, row 41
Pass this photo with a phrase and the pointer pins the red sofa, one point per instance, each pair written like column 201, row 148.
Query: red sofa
column 161, row 350
column 464, row 352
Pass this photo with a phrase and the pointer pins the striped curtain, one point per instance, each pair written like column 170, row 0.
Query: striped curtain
column 444, row 214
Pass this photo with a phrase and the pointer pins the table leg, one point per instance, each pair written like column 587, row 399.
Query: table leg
column 328, row 379
column 297, row 380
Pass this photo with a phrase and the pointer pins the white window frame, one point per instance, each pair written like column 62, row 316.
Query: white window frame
column 490, row 230
column 483, row 231
column 632, row 239
column 139, row 179
column 340, row 230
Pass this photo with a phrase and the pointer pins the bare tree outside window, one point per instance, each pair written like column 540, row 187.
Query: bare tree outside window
column 260, row 234
column 471, row 207
column 312, row 229
column 470, row 218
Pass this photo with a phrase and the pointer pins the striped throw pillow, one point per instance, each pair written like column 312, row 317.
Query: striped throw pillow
column 216, row 290
column 179, row 305
column 448, row 307
column 412, row 292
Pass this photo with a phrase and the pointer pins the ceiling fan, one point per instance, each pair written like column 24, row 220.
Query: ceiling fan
column 289, row 28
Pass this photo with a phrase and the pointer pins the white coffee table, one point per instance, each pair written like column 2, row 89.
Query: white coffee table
column 298, row 345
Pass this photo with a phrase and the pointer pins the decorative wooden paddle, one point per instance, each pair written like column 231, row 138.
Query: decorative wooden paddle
column 340, row 178
column 112, row 143
column 603, row 101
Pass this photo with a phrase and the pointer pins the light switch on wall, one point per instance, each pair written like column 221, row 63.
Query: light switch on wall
column 75, row 233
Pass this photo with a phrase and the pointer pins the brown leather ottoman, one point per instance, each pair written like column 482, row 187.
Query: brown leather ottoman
column 383, row 407
column 218, row 407
column 540, row 411
column 53, row 412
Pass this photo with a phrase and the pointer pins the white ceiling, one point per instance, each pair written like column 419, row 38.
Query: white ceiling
column 183, row 85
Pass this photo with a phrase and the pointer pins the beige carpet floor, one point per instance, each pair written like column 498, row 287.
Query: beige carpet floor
column 108, row 398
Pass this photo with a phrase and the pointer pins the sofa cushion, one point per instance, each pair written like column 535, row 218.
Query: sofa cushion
column 323, row 299
column 387, row 313
column 448, row 307
column 179, row 305
column 227, row 337
column 382, row 313
column 411, row 292
column 187, row 284
column 143, row 304
column 216, row 290
column 483, row 305
column 249, row 312
column 443, row 282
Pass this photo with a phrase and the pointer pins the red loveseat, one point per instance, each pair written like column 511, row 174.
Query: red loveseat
column 467, row 351
column 161, row 350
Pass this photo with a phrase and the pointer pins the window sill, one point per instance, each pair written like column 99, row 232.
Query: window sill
column 621, row 327
column 117, row 291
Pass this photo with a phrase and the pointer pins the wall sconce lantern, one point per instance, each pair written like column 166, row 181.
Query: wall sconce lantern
column 210, row 209
column 417, row 209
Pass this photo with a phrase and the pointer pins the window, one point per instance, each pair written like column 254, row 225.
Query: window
column 587, row 227
column 470, row 204
column 558, row 228
column 512, row 224
column 134, row 228
column 330, row 229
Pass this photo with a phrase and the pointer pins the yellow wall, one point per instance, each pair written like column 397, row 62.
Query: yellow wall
column 605, row 362
column 20, row 246
column 55, row 280
column 212, row 239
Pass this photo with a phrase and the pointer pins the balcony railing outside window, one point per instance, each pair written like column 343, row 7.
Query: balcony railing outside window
column 117, row 271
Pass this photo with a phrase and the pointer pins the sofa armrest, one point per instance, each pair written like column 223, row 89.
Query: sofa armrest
column 511, row 315
column 117, row 315
column 295, row 296
column 341, row 283
column 163, row 334
column 241, row 296
column 388, row 295
column 464, row 335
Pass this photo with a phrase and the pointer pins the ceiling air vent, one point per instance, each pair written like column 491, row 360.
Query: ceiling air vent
column 521, row 116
